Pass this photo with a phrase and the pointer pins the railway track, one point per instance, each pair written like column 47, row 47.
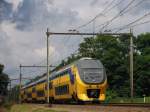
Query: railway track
column 84, row 108
column 102, row 107
column 97, row 107
column 110, row 104
column 127, row 104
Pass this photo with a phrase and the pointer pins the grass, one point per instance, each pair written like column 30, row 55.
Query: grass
column 5, row 106
column 128, row 100
column 31, row 108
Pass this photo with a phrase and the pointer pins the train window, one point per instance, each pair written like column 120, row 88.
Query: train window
column 45, row 86
column 29, row 95
column 65, row 73
column 61, row 90
column 50, row 85
column 40, row 93
column 21, row 96
column 33, row 90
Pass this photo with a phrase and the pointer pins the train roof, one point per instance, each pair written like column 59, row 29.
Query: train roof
column 35, row 82
column 88, row 63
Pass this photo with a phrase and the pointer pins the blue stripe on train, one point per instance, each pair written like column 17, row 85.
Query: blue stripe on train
column 71, row 75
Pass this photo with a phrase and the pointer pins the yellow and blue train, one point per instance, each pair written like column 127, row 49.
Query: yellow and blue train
column 83, row 80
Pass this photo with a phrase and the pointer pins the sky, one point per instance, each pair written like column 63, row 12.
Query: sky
column 23, row 24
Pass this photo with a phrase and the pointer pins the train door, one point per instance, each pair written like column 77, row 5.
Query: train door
column 57, row 88
column 34, row 94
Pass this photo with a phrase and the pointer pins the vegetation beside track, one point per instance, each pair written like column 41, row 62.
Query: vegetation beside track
column 128, row 100
column 31, row 108
column 5, row 107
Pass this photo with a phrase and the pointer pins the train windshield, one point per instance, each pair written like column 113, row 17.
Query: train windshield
column 91, row 71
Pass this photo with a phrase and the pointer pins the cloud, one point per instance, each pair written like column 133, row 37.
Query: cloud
column 94, row 2
column 15, row 4
column 41, row 14
column 17, row 43
column 23, row 25
column 5, row 10
column 41, row 52
column 24, row 40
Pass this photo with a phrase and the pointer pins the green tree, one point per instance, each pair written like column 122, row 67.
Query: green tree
column 14, row 94
column 4, row 80
column 142, row 65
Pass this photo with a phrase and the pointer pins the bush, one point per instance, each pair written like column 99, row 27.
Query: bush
column 110, row 94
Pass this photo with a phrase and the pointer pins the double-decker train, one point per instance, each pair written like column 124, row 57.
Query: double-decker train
column 83, row 80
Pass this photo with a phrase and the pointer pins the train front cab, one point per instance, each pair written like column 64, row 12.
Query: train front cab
column 90, row 89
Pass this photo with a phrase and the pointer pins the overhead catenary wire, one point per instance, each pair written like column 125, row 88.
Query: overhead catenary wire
column 107, row 7
column 115, row 5
column 141, row 23
column 136, row 5
column 99, row 14
column 139, row 19
column 109, row 10
column 115, row 17
column 130, row 9
column 138, row 24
